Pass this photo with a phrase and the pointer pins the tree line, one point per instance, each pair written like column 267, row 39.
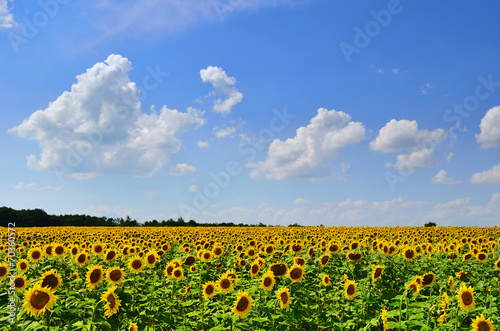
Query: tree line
column 38, row 217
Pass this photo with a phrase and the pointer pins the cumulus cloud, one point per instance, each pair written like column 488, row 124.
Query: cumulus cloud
column 308, row 154
column 181, row 169
column 404, row 135
column 490, row 129
column 225, row 132
column 21, row 186
column 491, row 176
column 203, row 144
column 223, row 87
column 6, row 17
column 300, row 201
column 98, row 127
column 441, row 178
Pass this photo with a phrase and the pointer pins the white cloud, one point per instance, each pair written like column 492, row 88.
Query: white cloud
column 223, row 86
column 491, row 176
column 490, row 129
column 21, row 186
column 441, row 178
column 193, row 188
column 181, row 169
column 404, row 135
column 300, row 201
column 6, row 17
column 222, row 133
column 203, row 144
column 308, row 154
column 98, row 127
column 448, row 156
column 380, row 71
column 424, row 89
column 155, row 16
column 395, row 70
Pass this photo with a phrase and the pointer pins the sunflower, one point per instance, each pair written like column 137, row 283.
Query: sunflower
column 59, row 250
column 467, row 256
column 428, row 279
column 51, row 279
column 323, row 260
column 81, row 259
column 193, row 268
column 20, row 282
column 169, row 268
column 299, row 260
column 209, row 290
column 451, row 283
column 354, row 257
column 296, row 273
column 414, row 287
column 310, row 252
column 279, row 269
column 115, row 275
column 350, row 289
column 444, row 303
column 384, row 319
column 4, row 269
column 283, row 295
column 326, row 280
column 224, row 284
column 47, row 250
column 132, row 327
column 409, row 253
column 377, row 271
column 497, row 264
column 296, row 248
column 74, row 276
column 94, row 276
column 74, row 250
column 482, row 257
column 465, row 296
column 462, row 275
column 110, row 255
column 217, row 251
column 178, row 273
column 267, row 281
column 189, row 260
column 135, row 265
column 482, row 324
column 151, row 258
column 35, row 254
column 97, row 249
column 111, row 302
column 23, row 265
column 38, row 300
column 254, row 268
column 242, row 305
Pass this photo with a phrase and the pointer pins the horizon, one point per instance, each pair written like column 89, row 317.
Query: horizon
column 292, row 111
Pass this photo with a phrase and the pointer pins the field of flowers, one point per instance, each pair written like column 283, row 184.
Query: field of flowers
column 252, row 278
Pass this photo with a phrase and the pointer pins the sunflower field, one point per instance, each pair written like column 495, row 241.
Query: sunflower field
column 252, row 278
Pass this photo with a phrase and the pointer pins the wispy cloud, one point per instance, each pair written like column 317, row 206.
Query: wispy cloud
column 21, row 186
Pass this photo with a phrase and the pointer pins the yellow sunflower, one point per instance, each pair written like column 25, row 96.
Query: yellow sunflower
column 384, row 319
column 465, row 296
column 283, row 295
column 323, row 260
column 115, row 275
column 94, row 276
column 254, row 268
column 178, row 273
column 497, row 264
column 209, row 290
column 110, row 255
column 354, row 257
column 296, row 273
column 35, row 254
column 135, row 265
column 132, row 327
column 189, row 260
column 38, row 300
column 81, row 259
column 377, row 271
column 224, row 284
column 51, row 279
column 326, row 280
column 409, row 253
column 451, row 283
column 151, row 258
column 279, row 269
column 350, row 289
column 428, row 279
column 267, row 281
column 414, row 287
column 23, row 265
column 242, row 304
column 482, row 324
column 4, row 268
column 111, row 302
column 20, row 282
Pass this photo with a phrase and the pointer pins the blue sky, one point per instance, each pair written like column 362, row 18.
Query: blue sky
column 315, row 112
